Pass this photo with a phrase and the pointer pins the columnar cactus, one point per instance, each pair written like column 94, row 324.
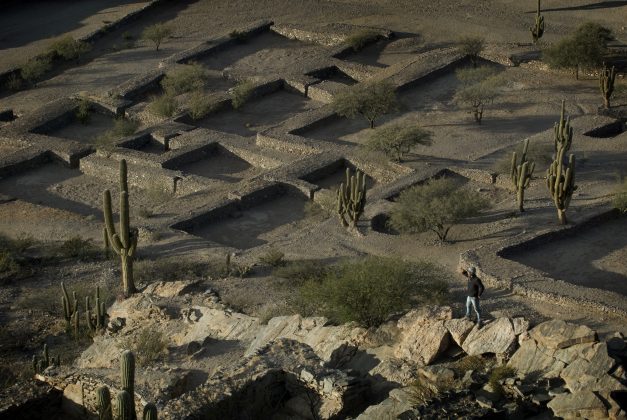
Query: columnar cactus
column 123, row 243
column 70, row 306
column 76, row 323
column 538, row 29
column 606, row 83
column 560, row 179
column 95, row 321
column 125, row 400
column 40, row 364
column 351, row 198
column 521, row 174
column 563, row 132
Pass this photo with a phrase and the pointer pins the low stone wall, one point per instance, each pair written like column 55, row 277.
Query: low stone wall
column 22, row 160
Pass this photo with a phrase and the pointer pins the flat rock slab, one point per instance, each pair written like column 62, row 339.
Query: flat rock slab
column 557, row 334
column 583, row 404
column 496, row 337
column 459, row 329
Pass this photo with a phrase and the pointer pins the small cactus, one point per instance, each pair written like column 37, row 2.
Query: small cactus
column 607, row 78
column 69, row 306
column 538, row 29
column 95, row 321
column 521, row 174
column 351, row 198
column 563, row 136
column 560, row 180
column 40, row 364
column 127, row 366
column 150, row 412
column 103, row 402
column 124, row 404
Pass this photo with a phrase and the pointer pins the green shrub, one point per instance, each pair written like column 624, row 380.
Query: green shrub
column 163, row 106
column 185, row 78
column 156, row 34
column 201, row 105
column 241, row 93
column 422, row 391
column 480, row 86
column 468, row 363
column 372, row 289
column 149, row 346
column 471, row 46
column 122, row 127
column 174, row 268
column 77, row 247
column 273, row 257
column 360, row 39
column 620, row 197
column 33, row 70
column 498, row 374
column 369, row 100
column 69, row 48
column 396, row 140
column 83, row 112
column 301, row 271
column 436, row 206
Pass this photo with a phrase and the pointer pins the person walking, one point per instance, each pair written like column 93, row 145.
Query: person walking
column 474, row 292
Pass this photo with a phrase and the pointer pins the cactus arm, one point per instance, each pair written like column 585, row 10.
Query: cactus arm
column 103, row 403
column 150, row 412
column 124, row 406
column 127, row 365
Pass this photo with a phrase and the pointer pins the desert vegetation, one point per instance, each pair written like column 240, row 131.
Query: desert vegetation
column 370, row 100
column 156, row 34
column 397, row 140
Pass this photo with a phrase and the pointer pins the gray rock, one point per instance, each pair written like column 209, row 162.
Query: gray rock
column 520, row 325
column 495, row 337
column 530, row 358
column 557, row 334
column 459, row 328
column 582, row 404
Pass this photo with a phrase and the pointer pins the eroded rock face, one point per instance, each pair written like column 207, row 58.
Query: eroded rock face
column 423, row 335
column 459, row 328
column 581, row 404
column 496, row 337
column 557, row 334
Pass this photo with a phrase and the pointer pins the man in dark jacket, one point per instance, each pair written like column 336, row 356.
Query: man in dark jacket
column 475, row 290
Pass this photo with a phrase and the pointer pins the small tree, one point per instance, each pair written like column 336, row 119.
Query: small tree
column 370, row 100
column 436, row 205
column 69, row 48
column 163, row 106
column 396, row 140
column 185, row 78
column 585, row 48
column 471, row 46
column 479, row 88
column 200, row 105
column 241, row 93
column 34, row 69
column 156, row 34
column 360, row 39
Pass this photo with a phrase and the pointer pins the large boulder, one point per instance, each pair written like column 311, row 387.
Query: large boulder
column 459, row 328
column 529, row 358
column 497, row 337
column 582, row 404
column 423, row 334
column 591, row 372
column 557, row 334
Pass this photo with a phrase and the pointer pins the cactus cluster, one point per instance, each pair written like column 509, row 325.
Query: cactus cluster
column 40, row 364
column 537, row 30
column 521, row 173
column 560, row 177
column 71, row 310
column 607, row 77
column 123, row 243
column 351, row 198
column 95, row 320
column 125, row 400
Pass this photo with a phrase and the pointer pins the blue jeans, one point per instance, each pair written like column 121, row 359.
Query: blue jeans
column 475, row 305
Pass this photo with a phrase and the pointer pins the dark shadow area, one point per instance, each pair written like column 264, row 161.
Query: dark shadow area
column 369, row 55
column 590, row 6
column 221, row 165
column 35, row 185
column 331, row 176
column 593, row 256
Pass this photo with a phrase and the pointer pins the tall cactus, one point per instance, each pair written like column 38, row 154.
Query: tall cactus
column 521, row 174
column 123, row 243
column 103, row 403
column 606, row 83
column 538, row 29
column 150, row 412
column 563, row 134
column 40, row 364
column 70, row 306
column 560, row 179
column 95, row 321
column 351, row 198
column 127, row 366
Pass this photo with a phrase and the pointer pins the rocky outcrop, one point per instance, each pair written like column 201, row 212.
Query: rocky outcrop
column 582, row 404
column 557, row 334
column 459, row 328
column 423, row 334
column 497, row 337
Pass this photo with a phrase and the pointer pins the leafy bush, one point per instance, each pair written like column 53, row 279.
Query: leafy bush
column 585, row 48
column 201, row 105
column 69, row 48
column 173, row 268
column 122, row 127
column 163, row 106
column 156, row 34
column 77, row 247
column 33, row 70
column 471, row 46
column 372, row 289
column 301, row 271
column 83, row 112
column 620, row 197
column 149, row 346
column 241, row 93
column 370, row 100
column 498, row 374
column 436, row 205
column 185, row 78
column 360, row 39
column 396, row 140
column 273, row 257
column 479, row 88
